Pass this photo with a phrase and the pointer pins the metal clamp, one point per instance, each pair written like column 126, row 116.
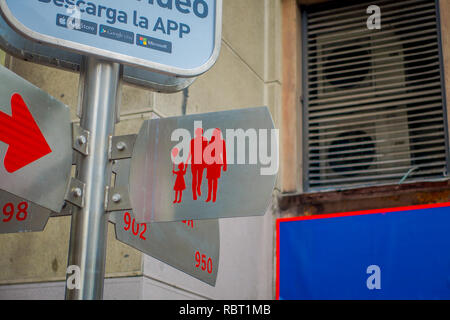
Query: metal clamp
column 117, row 199
column 121, row 147
column 75, row 193
column 80, row 139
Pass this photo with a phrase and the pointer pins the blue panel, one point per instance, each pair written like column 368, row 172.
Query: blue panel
column 328, row 258
column 183, row 33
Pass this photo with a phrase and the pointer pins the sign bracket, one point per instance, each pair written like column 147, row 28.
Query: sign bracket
column 117, row 199
column 80, row 139
column 121, row 147
column 75, row 193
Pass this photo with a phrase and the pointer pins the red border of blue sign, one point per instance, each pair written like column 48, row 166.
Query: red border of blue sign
column 338, row 215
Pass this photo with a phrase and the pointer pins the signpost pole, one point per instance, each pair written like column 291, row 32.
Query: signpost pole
column 88, row 235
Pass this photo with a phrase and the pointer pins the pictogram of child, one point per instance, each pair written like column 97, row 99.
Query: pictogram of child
column 180, row 184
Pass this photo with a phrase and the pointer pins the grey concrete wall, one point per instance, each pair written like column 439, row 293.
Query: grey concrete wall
column 247, row 74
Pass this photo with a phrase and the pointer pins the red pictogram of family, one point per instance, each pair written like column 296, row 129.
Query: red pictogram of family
column 203, row 154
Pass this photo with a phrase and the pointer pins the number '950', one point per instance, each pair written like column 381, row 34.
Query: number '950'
column 203, row 263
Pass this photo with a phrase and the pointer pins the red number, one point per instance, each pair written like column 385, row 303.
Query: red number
column 8, row 210
column 137, row 229
column 127, row 220
column 203, row 262
column 189, row 223
column 23, row 206
column 9, row 213
column 209, row 265
column 197, row 259
column 143, row 231
column 130, row 224
column 206, row 265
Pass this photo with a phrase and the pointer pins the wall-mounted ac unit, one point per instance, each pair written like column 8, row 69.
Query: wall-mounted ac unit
column 374, row 100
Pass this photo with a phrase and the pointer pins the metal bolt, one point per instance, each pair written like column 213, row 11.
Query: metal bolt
column 121, row 146
column 116, row 198
column 81, row 140
column 77, row 192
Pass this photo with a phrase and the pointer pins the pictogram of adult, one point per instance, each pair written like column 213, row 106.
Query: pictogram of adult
column 196, row 150
column 216, row 160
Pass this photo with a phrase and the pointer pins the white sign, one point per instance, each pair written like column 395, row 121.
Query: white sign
column 177, row 37
column 204, row 166
column 35, row 143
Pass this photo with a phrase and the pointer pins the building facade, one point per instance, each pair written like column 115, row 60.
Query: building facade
column 363, row 125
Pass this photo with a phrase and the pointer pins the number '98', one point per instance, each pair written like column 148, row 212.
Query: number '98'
column 9, row 211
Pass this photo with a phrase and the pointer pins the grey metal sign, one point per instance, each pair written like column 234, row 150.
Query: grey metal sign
column 35, row 143
column 205, row 166
column 192, row 247
column 19, row 215
column 22, row 48
column 180, row 38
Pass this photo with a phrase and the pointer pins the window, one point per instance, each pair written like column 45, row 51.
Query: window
column 373, row 99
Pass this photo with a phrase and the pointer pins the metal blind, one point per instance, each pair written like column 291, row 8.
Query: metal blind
column 373, row 99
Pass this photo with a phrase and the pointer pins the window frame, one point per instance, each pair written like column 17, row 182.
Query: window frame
column 305, row 112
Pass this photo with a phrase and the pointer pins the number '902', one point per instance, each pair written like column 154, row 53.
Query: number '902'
column 130, row 223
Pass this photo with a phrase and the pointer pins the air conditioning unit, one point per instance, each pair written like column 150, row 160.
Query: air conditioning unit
column 374, row 103
column 378, row 135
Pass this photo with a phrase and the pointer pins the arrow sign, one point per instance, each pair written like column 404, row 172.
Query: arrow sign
column 204, row 166
column 20, row 131
column 35, row 151
column 192, row 247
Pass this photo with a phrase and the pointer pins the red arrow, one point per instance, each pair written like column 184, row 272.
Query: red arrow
column 26, row 142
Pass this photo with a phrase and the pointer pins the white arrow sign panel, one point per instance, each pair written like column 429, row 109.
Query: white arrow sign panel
column 192, row 247
column 205, row 166
column 35, row 143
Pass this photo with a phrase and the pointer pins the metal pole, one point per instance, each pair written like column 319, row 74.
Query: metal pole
column 88, row 235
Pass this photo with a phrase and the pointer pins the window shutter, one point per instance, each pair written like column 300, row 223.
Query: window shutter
column 374, row 104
